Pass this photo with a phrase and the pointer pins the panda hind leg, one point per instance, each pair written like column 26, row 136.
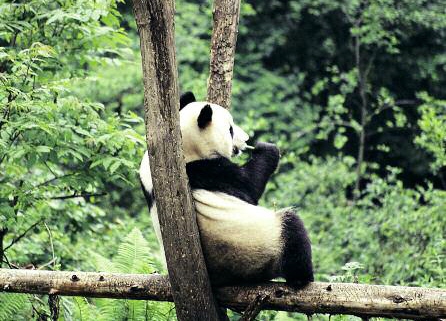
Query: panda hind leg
column 297, row 267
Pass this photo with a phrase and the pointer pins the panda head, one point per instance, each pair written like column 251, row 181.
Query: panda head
column 208, row 130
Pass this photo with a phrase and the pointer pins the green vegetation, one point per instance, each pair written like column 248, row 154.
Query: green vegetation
column 352, row 92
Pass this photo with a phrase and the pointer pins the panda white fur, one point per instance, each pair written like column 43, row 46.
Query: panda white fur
column 242, row 242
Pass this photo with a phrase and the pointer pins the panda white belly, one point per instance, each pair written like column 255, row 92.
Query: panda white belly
column 240, row 241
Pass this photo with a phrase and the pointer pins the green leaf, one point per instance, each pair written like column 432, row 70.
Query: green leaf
column 340, row 140
column 114, row 166
column 43, row 149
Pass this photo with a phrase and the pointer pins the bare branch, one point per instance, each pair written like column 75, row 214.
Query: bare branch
column 50, row 236
column 3, row 232
column 54, row 179
column 76, row 195
column 317, row 297
column 362, row 87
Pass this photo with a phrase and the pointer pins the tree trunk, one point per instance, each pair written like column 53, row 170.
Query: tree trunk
column 3, row 232
column 318, row 297
column 188, row 276
column 224, row 37
column 362, row 75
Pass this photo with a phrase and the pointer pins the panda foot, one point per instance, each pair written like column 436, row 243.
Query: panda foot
column 298, row 284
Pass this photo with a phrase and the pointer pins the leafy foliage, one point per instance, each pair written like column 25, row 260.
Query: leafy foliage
column 58, row 152
column 389, row 222
column 433, row 126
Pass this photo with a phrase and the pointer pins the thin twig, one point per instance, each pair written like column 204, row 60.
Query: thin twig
column 16, row 135
column 54, row 179
column 387, row 130
column 7, row 261
column 51, row 243
column 64, row 197
column 3, row 232
column 46, row 264
column 27, row 73
column 22, row 235
column 255, row 307
column 49, row 168
column 364, row 115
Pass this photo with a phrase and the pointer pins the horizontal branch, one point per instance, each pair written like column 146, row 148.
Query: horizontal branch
column 75, row 195
column 319, row 297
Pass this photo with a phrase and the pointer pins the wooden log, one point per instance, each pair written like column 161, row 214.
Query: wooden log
column 188, row 276
column 342, row 298
column 318, row 297
column 88, row 284
column 224, row 38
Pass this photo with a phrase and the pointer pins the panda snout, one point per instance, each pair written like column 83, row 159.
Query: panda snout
column 236, row 151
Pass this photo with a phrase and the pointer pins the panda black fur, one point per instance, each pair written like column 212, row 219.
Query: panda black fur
column 242, row 242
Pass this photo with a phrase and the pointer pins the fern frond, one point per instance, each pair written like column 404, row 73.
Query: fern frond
column 137, row 310
column 103, row 264
column 134, row 254
column 83, row 311
column 112, row 309
column 11, row 304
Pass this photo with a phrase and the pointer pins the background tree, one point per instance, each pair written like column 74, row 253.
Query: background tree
column 191, row 288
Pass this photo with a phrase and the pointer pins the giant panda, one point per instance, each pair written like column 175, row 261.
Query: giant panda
column 242, row 242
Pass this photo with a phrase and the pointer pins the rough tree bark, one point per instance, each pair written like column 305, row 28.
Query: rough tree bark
column 188, row 276
column 224, row 37
column 318, row 297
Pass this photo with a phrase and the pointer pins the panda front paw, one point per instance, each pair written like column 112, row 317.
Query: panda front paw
column 299, row 283
column 267, row 148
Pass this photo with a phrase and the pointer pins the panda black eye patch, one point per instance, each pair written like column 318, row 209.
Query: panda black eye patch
column 231, row 131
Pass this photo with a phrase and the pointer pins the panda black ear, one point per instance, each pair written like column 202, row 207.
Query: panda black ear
column 205, row 116
column 186, row 98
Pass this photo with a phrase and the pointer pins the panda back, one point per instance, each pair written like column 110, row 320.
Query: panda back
column 223, row 213
column 239, row 239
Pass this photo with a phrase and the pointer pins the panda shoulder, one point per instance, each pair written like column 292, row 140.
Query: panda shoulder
column 144, row 173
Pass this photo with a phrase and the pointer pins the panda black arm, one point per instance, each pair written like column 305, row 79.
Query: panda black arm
column 257, row 171
column 245, row 182
column 150, row 198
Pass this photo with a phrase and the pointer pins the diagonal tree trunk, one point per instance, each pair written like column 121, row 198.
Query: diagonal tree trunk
column 224, row 38
column 188, row 276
